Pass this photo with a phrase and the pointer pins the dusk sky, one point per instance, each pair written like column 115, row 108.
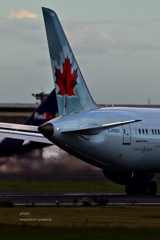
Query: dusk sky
column 116, row 44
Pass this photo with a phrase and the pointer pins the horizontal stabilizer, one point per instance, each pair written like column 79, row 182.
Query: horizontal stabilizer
column 21, row 127
column 98, row 128
column 23, row 132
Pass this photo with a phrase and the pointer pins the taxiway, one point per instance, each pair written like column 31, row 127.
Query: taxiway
column 39, row 198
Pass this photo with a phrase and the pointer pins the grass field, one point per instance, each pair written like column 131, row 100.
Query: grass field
column 111, row 216
column 87, row 233
column 74, row 186
column 67, row 223
column 60, row 186
column 109, row 222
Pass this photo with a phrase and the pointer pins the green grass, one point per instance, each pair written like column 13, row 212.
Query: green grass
column 73, row 186
column 60, row 186
column 112, row 216
column 67, row 223
column 89, row 233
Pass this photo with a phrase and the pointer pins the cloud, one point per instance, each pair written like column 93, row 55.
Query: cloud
column 143, row 23
column 29, row 30
column 44, row 63
column 87, row 39
column 22, row 14
column 120, row 33
column 9, row 68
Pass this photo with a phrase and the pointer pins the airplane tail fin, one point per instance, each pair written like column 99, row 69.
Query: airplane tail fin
column 71, row 91
column 46, row 111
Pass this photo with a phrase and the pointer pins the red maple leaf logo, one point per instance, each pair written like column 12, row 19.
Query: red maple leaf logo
column 66, row 81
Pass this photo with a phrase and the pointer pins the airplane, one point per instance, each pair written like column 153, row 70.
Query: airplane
column 123, row 142
column 44, row 112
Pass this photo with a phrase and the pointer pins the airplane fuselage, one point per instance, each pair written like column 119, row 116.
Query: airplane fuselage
column 133, row 147
column 124, row 142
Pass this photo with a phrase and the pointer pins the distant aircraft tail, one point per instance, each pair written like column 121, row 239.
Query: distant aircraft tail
column 47, row 110
column 71, row 91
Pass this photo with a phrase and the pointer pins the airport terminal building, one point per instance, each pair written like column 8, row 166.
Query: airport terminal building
column 18, row 113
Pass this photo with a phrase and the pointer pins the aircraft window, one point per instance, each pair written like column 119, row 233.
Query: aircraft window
column 143, row 131
column 155, row 131
column 152, row 131
column 146, row 131
column 139, row 131
column 158, row 131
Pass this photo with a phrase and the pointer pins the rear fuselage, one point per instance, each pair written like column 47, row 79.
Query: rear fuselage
column 134, row 147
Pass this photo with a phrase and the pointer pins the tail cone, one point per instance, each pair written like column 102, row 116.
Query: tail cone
column 46, row 129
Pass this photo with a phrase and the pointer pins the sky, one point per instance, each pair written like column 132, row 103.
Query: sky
column 116, row 44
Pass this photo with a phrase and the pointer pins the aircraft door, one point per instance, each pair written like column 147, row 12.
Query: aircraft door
column 126, row 134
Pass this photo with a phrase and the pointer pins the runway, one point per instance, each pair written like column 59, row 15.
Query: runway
column 39, row 198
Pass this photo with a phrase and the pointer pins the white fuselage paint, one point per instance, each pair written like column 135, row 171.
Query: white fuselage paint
column 123, row 148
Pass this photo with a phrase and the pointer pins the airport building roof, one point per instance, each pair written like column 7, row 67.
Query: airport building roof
column 19, row 112
column 16, row 112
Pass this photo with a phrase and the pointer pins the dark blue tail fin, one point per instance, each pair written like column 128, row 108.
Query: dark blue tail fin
column 47, row 110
